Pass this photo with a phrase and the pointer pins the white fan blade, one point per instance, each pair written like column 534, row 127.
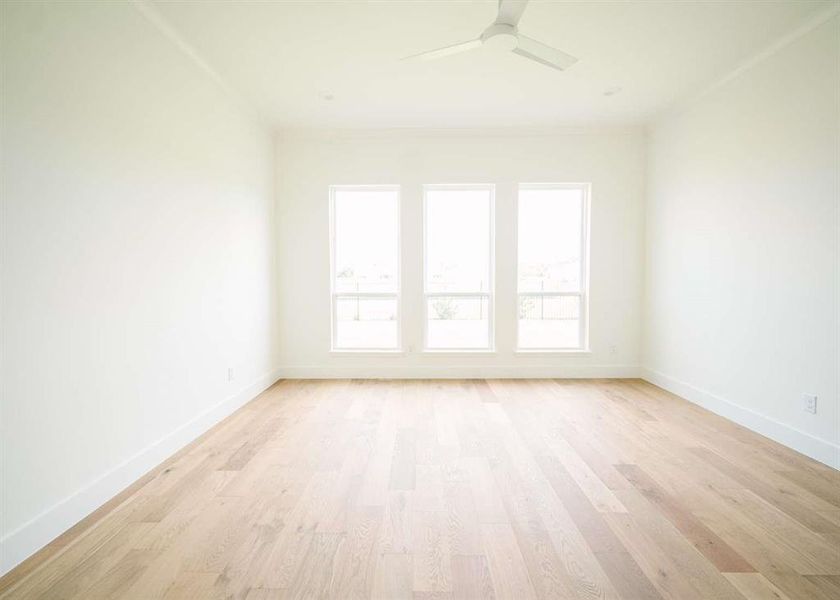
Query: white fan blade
column 550, row 57
column 446, row 51
column 510, row 11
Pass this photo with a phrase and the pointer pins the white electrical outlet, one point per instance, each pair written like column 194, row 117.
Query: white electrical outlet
column 230, row 374
column 809, row 403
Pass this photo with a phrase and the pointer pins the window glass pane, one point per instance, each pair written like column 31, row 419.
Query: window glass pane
column 550, row 228
column 366, row 245
column 457, row 322
column 458, row 240
column 366, row 322
column 549, row 321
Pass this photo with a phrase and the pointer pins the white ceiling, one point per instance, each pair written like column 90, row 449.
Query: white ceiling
column 283, row 55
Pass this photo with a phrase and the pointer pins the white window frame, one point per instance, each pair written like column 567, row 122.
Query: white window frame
column 489, row 295
column 335, row 295
column 583, row 294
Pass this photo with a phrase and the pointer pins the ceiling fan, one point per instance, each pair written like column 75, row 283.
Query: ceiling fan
column 503, row 34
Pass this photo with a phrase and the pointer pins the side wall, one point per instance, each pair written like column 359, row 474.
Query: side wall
column 137, row 259
column 742, row 246
column 307, row 164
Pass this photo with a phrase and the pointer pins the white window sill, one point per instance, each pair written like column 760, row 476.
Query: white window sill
column 572, row 351
column 456, row 351
column 364, row 351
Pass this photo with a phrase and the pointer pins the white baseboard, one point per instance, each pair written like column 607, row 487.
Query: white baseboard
column 27, row 539
column 460, row 372
column 819, row 449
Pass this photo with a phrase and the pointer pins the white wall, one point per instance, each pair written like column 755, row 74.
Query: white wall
column 742, row 246
column 613, row 161
column 137, row 259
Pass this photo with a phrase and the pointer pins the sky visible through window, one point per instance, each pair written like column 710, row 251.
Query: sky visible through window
column 550, row 240
column 458, row 240
column 366, row 238
column 366, row 247
column 550, row 255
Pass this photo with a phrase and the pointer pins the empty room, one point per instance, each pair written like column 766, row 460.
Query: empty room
column 420, row 299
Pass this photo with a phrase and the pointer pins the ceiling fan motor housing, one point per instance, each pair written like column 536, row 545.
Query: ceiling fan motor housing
column 500, row 35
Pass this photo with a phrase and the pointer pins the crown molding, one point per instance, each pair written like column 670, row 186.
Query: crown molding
column 397, row 133
column 170, row 32
column 752, row 61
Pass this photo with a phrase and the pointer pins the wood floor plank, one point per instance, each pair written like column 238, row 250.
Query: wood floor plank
column 826, row 487
column 596, row 490
column 100, row 565
column 284, row 559
column 718, row 552
column 755, row 586
column 397, row 528
column 265, row 594
column 354, row 569
column 191, row 585
column 506, row 563
column 449, row 489
column 432, row 558
column 679, row 561
column 618, row 564
column 33, row 563
column 394, row 577
column 488, row 504
column 462, row 526
column 830, row 584
column 778, row 527
column 762, row 548
column 798, row 586
column 658, row 565
column 471, row 578
column 545, row 567
column 317, row 569
column 122, row 575
column 63, row 563
column 786, row 502
column 403, row 464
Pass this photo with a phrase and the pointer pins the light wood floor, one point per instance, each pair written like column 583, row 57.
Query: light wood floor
column 461, row 489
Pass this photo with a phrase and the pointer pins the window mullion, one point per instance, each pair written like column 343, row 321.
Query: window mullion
column 551, row 294
column 457, row 294
column 365, row 294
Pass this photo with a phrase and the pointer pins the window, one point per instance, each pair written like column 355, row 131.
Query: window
column 365, row 267
column 458, row 271
column 552, row 270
